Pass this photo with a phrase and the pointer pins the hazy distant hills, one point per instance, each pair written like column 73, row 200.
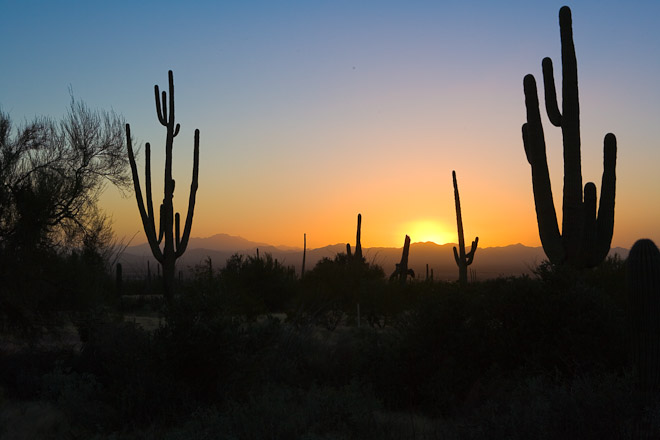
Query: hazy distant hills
column 489, row 262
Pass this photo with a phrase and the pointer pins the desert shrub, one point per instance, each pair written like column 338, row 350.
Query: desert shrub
column 21, row 371
column 77, row 395
column 278, row 412
column 257, row 285
column 454, row 341
column 334, row 287
column 590, row 406
column 129, row 366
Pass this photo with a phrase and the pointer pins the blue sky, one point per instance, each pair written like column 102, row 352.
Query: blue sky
column 311, row 112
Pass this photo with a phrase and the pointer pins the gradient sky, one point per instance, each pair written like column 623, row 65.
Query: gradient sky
column 313, row 111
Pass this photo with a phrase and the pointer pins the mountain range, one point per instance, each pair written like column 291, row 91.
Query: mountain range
column 490, row 262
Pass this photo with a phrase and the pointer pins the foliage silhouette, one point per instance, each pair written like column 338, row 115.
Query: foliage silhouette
column 257, row 285
column 586, row 237
column 54, row 240
column 334, row 287
column 52, row 175
column 175, row 243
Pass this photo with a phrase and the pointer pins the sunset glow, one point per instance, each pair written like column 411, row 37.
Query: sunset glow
column 430, row 230
column 310, row 115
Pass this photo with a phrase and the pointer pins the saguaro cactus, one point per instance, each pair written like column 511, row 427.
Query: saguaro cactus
column 401, row 271
column 643, row 273
column 175, row 243
column 358, row 245
column 463, row 259
column 302, row 270
column 585, row 238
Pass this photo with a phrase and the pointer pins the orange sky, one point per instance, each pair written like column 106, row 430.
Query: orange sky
column 312, row 113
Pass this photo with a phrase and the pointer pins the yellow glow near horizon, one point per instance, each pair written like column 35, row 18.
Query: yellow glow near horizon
column 430, row 230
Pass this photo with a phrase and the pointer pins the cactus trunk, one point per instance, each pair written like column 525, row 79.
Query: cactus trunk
column 358, row 244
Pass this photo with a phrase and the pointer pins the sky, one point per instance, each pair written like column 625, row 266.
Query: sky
column 311, row 112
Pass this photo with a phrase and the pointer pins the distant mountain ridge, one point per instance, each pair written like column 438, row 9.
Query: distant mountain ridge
column 490, row 262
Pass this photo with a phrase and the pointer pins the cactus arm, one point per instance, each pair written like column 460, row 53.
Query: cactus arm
column 605, row 221
column 181, row 247
column 456, row 257
column 161, row 224
column 147, row 184
column 534, row 142
column 551, row 106
column 159, row 108
column 147, row 221
column 470, row 255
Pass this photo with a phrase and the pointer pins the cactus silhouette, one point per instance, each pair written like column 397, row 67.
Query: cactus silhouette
column 586, row 237
column 302, row 270
column 358, row 245
column 463, row 259
column 175, row 243
column 643, row 278
column 401, row 271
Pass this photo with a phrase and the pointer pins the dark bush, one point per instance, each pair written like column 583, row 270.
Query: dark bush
column 257, row 285
column 334, row 288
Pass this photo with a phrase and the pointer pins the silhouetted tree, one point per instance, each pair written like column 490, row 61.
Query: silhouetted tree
column 52, row 174
column 175, row 243
column 585, row 238
column 53, row 236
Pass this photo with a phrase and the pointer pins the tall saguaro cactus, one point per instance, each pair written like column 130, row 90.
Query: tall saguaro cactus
column 358, row 244
column 463, row 259
column 169, row 224
column 586, row 237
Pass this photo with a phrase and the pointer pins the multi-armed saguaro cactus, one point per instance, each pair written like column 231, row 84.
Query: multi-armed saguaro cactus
column 585, row 238
column 175, row 243
column 643, row 273
column 401, row 271
column 463, row 259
